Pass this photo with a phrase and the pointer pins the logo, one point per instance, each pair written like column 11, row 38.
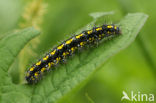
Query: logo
column 137, row 97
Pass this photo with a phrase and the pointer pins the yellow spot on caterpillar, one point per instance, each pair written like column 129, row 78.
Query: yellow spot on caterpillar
column 78, row 36
column 45, row 58
column 49, row 65
column 67, row 53
column 43, row 69
column 90, row 39
column 38, row 63
column 36, row 74
column 109, row 26
column 89, row 31
column 69, row 41
column 72, row 49
column 53, row 52
column 31, row 69
column 64, row 54
column 58, row 58
column 60, row 47
column 82, row 43
column 52, row 63
column 98, row 29
column 81, row 34
column 115, row 27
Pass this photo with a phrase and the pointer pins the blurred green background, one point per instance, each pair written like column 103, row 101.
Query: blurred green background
column 133, row 69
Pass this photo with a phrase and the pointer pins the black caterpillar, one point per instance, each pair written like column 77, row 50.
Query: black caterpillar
column 67, row 48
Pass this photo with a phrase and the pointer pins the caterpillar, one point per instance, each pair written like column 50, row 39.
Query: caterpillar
column 67, row 48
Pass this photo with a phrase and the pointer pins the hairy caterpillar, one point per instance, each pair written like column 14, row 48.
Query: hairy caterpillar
column 67, row 48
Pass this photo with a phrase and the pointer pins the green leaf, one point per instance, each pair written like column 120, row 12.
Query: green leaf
column 60, row 84
column 10, row 46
